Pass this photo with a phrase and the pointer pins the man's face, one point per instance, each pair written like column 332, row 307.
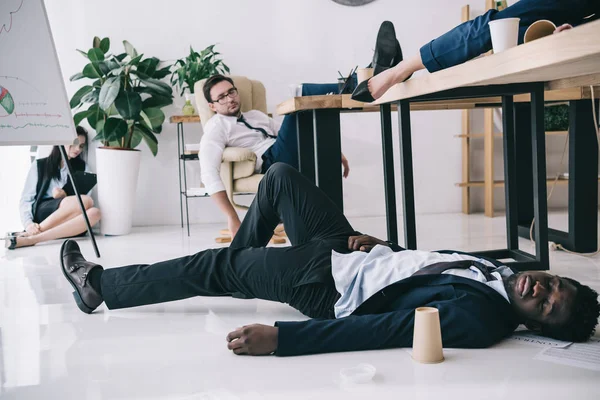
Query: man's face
column 225, row 99
column 540, row 298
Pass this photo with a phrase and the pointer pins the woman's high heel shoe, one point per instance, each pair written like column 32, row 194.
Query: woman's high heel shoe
column 361, row 93
column 10, row 242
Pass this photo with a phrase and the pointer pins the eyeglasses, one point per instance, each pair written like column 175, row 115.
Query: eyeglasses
column 222, row 99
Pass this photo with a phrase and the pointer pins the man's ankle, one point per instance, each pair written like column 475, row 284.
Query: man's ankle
column 95, row 279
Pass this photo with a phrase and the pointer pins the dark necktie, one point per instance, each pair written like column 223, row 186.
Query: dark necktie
column 440, row 267
column 264, row 132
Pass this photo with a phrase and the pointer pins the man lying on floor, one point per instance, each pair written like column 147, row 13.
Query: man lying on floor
column 362, row 290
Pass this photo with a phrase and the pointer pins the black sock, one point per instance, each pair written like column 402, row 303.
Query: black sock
column 95, row 279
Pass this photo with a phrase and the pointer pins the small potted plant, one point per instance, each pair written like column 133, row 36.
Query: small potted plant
column 195, row 67
column 123, row 105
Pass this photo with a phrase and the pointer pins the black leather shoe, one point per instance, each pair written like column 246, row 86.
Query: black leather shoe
column 387, row 49
column 76, row 269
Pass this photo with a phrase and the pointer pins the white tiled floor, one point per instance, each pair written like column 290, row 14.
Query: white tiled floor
column 51, row 350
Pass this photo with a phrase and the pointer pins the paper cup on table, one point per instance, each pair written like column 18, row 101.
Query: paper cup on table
column 505, row 33
column 538, row 30
column 427, row 336
column 362, row 74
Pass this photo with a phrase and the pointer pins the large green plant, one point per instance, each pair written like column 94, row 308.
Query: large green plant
column 125, row 98
column 197, row 66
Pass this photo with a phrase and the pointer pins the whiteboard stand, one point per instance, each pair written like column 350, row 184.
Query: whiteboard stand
column 85, row 217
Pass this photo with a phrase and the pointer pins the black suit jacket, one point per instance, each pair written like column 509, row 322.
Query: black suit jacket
column 472, row 315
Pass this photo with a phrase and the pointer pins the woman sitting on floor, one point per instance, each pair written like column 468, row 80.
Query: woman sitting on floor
column 48, row 212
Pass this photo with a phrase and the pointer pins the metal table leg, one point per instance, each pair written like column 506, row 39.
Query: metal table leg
column 388, row 173
column 408, row 192
column 328, row 154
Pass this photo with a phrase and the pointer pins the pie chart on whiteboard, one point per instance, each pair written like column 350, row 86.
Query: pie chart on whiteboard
column 7, row 104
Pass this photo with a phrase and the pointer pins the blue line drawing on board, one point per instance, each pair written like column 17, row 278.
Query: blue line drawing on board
column 6, row 27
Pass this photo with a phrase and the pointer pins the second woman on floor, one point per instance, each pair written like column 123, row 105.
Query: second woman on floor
column 49, row 209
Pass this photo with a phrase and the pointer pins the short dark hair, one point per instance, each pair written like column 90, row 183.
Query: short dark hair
column 584, row 316
column 211, row 82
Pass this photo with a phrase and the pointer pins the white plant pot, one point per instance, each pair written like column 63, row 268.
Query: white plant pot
column 118, row 172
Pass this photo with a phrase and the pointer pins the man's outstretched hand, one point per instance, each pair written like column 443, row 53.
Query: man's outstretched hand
column 364, row 243
column 254, row 340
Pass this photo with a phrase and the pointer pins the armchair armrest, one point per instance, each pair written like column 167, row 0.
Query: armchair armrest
column 237, row 154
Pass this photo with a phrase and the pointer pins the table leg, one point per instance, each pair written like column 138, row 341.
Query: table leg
column 540, row 204
column 328, row 154
column 408, row 194
column 187, row 209
column 179, row 155
column 582, row 235
column 306, row 144
column 388, row 173
column 583, row 179
column 510, row 173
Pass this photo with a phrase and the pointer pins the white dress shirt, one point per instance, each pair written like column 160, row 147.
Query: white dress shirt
column 359, row 275
column 223, row 131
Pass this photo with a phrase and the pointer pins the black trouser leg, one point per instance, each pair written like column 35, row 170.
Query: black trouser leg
column 298, row 275
column 286, row 195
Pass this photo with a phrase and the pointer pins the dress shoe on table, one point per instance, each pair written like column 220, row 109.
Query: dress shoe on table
column 388, row 54
column 387, row 49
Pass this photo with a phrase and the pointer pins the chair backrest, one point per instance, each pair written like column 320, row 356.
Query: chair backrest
column 252, row 94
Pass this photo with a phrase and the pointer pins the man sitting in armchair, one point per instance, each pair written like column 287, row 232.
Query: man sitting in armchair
column 270, row 141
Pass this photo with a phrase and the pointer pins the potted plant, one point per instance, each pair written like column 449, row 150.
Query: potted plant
column 123, row 105
column 195, row 67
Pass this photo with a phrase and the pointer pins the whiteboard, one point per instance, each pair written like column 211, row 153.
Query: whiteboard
column 34, row 108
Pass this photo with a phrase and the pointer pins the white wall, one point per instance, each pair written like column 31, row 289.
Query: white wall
column 278, row 42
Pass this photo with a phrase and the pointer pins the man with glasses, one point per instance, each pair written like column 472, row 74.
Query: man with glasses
column 271, row 141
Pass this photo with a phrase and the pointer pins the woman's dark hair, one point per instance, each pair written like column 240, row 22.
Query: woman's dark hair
column 52, row 167
column 211, row 82
column 584, row 316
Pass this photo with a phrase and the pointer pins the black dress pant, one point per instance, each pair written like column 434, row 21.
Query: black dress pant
column 299, row 275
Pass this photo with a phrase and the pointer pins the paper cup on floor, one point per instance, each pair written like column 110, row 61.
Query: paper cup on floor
column 362, row 74
column 427, row 336
column 538, row 30
column 505, row 33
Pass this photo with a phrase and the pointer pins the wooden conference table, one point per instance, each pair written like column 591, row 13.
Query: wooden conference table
column 521, row 80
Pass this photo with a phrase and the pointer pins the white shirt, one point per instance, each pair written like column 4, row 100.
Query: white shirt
column 359, row 275
column 223, row 131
